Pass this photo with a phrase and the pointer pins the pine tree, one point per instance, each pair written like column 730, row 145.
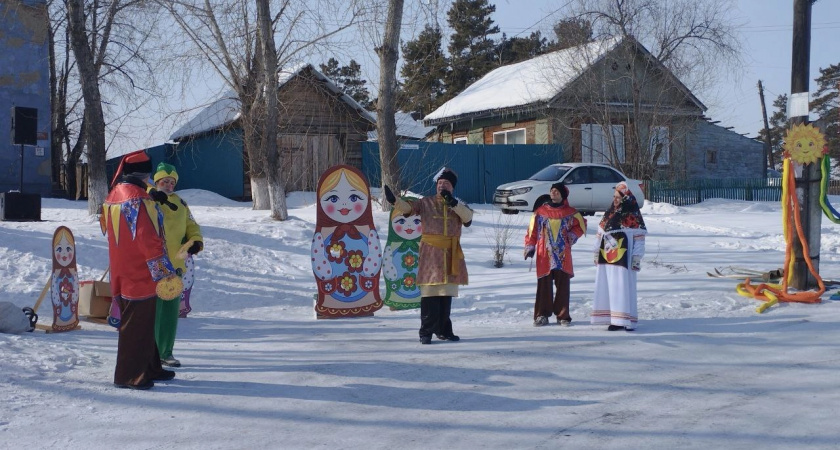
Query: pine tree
column 471, row 50
column 826, row 104
column 518, row 49
column 423, row 71
column 571, row 33
column 779, row 124
column 349, row 79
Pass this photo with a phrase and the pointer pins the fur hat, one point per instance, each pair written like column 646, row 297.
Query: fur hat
column 446, row 174
column 165, row 170
column 560, row 186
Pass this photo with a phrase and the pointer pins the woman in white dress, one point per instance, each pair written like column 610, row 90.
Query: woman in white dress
column 620, row 245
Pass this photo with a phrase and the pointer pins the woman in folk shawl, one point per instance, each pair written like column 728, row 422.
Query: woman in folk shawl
column 346, row 253
column 620, row 245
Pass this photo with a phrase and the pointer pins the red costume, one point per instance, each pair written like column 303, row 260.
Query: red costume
column 138, row 258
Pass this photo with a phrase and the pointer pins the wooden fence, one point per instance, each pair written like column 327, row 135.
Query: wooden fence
column 689, row 192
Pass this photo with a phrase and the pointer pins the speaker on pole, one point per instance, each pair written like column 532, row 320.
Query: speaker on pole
column 24, row 126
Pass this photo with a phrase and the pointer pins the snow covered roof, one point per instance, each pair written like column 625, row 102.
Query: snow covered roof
column 226, row 109
column 537, row 80
column 407, row 127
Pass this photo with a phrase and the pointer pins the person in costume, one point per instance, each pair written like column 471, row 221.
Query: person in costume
column 620, row 245
column 554, row 228
column 141, row 271
column 346, row 252
column 183, row 240
column 402, row 259
column 442, row 266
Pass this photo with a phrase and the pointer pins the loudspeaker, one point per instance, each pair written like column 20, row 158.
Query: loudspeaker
column 16, row 206
column 24, row 126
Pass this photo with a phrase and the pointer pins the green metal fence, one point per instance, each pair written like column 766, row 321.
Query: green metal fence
column 689, row 192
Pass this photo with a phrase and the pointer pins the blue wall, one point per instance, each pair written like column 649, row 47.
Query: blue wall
column 213, row 162
column 24, row 81
column 480, row 168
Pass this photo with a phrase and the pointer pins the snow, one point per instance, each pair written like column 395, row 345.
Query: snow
column 703, row 369
column 407, row 127
column 536, row 80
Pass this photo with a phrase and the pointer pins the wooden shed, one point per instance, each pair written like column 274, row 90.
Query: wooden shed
column 319, row 126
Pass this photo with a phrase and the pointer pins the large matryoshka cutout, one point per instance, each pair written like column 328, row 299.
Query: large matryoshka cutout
column 346, row 253
column 64, row 289
column 401, row 260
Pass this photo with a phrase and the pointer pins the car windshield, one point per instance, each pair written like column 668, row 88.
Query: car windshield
column 550, row 173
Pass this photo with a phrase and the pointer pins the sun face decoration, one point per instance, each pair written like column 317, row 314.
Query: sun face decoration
column 804, row 144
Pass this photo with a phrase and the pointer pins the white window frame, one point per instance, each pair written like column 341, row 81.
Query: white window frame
column 594, row 148
column 459, row 140
column 660, row 135
column 506, row 132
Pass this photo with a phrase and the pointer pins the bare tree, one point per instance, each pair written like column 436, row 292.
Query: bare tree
column 226, row 37
column 386, row 127
column 113, row 75
column 85, row 51
column 640, row 104
column 276, row 193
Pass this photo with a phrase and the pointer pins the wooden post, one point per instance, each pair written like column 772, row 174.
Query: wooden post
column 808, row 184
column 768, row 147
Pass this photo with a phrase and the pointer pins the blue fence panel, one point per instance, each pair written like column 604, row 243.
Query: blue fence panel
column 480, row 168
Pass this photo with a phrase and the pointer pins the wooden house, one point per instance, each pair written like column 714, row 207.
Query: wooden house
column 319, row 126
column 608, row 101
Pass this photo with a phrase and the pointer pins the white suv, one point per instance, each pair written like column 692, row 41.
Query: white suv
column 590, row 186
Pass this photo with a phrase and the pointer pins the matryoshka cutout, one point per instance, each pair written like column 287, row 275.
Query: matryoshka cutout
column 64, row 288
column 401, row 260
column 346, row 252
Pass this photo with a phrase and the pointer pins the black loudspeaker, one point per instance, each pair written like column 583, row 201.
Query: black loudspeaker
column 24, row 126
column 16, row 206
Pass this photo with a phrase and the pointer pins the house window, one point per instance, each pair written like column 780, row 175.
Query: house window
column 711, row 157
column 660, row 142
column 509, row 137
column 595, row 144
column 459, row 140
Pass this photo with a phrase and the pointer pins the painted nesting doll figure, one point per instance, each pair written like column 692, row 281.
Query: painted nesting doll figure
column 64, row 289
column 346, row 253
column 401, row 260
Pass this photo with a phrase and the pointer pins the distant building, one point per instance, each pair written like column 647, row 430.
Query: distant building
column 24, row 82
column 599, row 100
column 319, row 126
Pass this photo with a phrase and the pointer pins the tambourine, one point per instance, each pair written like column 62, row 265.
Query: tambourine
column 169, row 288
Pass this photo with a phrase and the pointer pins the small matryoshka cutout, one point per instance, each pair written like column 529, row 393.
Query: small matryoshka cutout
column 64, row 288
column 346, row 253
column 402, row 259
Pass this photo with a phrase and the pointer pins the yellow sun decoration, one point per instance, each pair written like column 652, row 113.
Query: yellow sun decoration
column 804, row 144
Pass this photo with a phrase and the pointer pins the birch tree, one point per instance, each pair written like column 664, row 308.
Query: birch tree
column 386, row 127
column 112, row 71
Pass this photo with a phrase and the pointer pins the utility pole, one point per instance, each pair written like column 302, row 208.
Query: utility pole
column 808, row 181
column 768, row 147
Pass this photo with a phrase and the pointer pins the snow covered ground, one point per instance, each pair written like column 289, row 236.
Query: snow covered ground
column 703, row 369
